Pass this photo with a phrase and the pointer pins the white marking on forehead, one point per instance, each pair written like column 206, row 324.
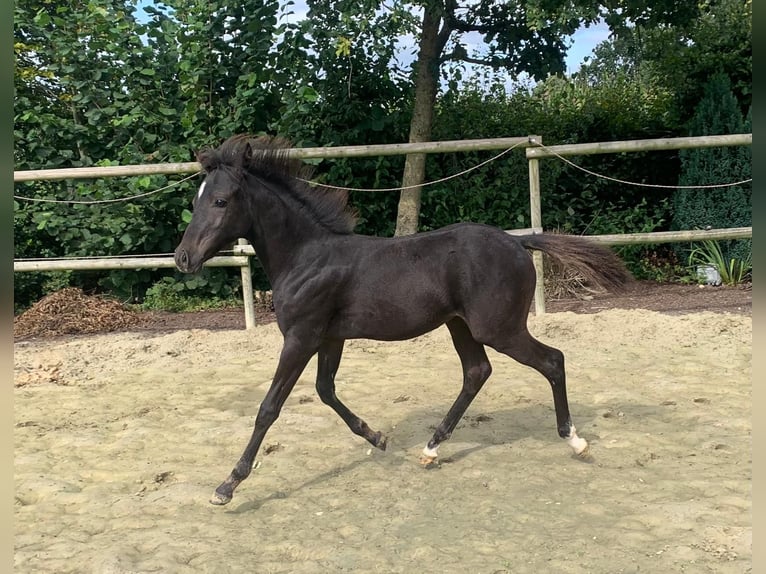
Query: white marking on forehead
column 201, row 189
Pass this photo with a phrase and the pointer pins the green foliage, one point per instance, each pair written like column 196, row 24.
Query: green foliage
column 572, row 201
column 681, row 46
column 733, row 271
column 94, row 86
column 171, row 295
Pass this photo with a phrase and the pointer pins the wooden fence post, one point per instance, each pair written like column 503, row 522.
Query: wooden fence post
column 247, row 291
column 536, row 218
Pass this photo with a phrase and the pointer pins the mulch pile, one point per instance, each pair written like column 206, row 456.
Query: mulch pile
column 563, row 283
column 70, row 311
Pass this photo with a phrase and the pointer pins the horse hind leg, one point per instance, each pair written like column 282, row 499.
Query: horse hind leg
column 476, row 370
column 549, row 362
column 328, row 362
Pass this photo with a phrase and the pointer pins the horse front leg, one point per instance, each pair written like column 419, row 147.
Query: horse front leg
column 328, row 361
column 292, row 361
column 476, row 371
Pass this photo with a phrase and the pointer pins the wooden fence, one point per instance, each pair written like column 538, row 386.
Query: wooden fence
column 534, row 154
column 242, row 253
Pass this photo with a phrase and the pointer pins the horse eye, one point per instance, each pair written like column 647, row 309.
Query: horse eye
column 220, row 203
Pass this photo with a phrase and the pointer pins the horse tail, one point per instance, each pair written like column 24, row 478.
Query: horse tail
column 598, row 265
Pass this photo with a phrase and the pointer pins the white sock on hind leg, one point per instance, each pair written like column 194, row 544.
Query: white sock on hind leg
column 431, row 453
column 578, row 444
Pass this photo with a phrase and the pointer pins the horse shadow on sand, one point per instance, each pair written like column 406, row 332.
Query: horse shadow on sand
column 478, row 430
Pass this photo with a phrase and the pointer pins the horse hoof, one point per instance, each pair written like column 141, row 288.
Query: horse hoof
column 381, row 441
column 585, row 455
column 428, row 461
column 219, row 499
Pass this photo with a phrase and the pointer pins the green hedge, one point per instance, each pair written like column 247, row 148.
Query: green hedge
column 717, row 113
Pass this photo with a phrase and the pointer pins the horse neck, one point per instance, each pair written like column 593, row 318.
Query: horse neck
column 279, row 229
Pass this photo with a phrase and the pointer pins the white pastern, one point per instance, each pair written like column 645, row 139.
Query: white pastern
column 201, row 190
column 578, row 444
column 431, row 453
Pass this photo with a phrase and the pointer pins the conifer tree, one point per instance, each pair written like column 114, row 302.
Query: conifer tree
column 716, row 114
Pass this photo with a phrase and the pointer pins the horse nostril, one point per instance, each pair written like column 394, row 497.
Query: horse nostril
column 182, row 259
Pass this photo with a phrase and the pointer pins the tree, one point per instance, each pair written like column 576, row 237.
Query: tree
column 78, row 66
column 349, row 87
column 521, row 36
column 702, row 56
column 63, row 106
column 94, row 86
column 682, row 51
column 529, row 36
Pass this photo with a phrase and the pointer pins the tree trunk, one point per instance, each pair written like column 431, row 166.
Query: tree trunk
column 426, row 82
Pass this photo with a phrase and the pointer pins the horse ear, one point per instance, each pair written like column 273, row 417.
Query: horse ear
column 204, row 159
column 247, row 154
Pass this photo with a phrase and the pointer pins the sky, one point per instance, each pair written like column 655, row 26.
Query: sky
column 583, row 43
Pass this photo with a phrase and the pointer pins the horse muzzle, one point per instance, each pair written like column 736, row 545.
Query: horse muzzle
column 183, row 263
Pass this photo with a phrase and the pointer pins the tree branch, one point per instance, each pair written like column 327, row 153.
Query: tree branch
column 461, row 56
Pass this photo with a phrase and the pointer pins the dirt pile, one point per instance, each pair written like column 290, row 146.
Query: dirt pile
column 70, row 311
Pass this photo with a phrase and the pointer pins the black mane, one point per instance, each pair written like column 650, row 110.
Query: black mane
column 267, row 158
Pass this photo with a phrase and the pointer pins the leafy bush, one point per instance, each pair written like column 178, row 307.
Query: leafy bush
column 171, row 295
column 732, row 271
column 660, row 264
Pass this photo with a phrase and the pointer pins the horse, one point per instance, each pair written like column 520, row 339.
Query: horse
column 330, row 284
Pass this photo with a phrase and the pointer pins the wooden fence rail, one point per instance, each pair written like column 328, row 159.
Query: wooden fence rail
column 674, row 236
column 303, row 153
column 639, row 145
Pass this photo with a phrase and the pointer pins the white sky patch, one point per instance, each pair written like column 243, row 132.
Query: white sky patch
column 293, row 12
column 583, row 42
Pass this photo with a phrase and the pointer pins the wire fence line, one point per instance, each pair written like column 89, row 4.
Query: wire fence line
column 101, row 201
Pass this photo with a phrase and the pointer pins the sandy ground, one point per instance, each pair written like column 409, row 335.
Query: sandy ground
column 120, row 440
